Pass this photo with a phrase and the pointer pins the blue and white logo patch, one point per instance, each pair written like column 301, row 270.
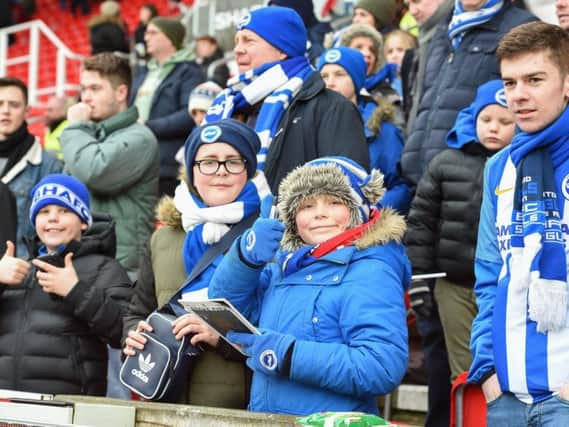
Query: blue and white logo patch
column 268, row 360
column 251, row 240
column 210, row 134
column 333, row 55
column 244, row 21
column 500, row 98
column 565, row 187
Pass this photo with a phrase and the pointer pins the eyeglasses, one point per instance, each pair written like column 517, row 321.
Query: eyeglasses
column 211, row 166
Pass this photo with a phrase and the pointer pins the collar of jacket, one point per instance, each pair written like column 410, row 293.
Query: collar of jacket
column 33, row 157
column 442, row 14
column 311, row 87
column 494, row 23
column 118, row 121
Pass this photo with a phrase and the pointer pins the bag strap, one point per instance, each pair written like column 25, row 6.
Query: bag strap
column 212, row 253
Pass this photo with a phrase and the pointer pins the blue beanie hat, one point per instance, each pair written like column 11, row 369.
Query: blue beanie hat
column 229, row 131
column 279, row 26
column 61, row 190
column 464, row 129
column 350, row 60
column 489, row 93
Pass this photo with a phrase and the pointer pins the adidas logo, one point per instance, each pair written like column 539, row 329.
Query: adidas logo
column 145, row 365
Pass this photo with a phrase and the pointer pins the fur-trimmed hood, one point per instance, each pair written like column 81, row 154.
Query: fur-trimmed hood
column 360, row 30
column 385, row 111
column 166, row 211
column 309, row 181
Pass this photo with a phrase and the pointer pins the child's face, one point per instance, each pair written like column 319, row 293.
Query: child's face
column 320, row 218
column 221, row 187
column 57, row 225
column 495, row 127
column 338, row 80
column 394, row 49
column 367, row 49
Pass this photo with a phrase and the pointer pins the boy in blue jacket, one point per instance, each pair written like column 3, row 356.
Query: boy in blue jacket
column 520, row 337
column 332, row 339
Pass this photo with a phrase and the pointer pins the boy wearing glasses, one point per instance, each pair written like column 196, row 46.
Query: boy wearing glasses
column 220, row 188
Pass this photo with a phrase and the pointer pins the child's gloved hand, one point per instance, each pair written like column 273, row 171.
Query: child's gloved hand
column 260, row 243
column 267, row 352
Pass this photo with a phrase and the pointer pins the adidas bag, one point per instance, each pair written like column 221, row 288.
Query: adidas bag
column 159, row 371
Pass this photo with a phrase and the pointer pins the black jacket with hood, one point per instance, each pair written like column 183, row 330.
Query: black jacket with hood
column 442, row 225
column 55, row 345
column 319, row 122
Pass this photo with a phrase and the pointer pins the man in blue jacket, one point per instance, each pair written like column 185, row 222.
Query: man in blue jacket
column 161, row 93
column 520, row 337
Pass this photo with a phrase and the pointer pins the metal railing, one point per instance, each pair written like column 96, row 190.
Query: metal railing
column 36, row 29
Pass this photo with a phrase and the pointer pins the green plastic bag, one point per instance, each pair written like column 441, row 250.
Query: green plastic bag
column 342, row 419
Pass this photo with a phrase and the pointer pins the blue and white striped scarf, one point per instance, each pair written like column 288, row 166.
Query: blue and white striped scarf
column 205, row 225
column 464, row 20
column 538, row 260
column 275, row 84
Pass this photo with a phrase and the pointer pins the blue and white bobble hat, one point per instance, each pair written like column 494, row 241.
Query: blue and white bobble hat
column 335, row 175
column 61, row 190
column 350, row 60
column 279, row 26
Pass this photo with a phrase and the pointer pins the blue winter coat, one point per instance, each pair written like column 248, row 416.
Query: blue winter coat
column 347, row 314
column 385, row 148
column 169, row 119
column 450, row 84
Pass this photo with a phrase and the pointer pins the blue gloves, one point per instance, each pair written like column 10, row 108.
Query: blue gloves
column 267, row 353
column 260, row 243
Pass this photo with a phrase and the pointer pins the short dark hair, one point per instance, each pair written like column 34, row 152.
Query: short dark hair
column 111, row 67
column 14, row 82
column 536, row 37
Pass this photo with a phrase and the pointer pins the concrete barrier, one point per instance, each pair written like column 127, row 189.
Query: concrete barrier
column 151, row 414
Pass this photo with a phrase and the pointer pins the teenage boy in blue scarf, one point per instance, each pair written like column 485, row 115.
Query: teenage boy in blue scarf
column 443, row 220
column 220, row 188
column 326, row 286
column 281, row 96
column 344, row 71
column 520, row 337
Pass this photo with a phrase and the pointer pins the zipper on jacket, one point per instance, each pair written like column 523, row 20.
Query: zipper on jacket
column 23, row 324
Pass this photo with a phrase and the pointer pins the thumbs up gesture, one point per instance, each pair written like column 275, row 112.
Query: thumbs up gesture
column 12, row 270
column 260, row 243
column 56, row 280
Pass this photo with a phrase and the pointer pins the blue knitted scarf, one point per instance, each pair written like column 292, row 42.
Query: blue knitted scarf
column 537, row 245
column 464, row 20
column 388, row 73
column 275, row 84
column 206, row 225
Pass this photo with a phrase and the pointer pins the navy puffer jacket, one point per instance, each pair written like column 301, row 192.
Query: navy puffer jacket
column 451, row 80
